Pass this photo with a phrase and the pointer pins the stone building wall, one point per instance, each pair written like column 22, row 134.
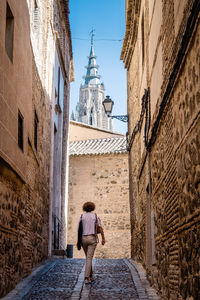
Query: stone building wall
column 25, row 208
column 24, row 175
column 165, row 221
column 102, row 179
column 26, row 81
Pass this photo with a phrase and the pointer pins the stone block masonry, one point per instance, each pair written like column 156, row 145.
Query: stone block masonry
column 102, row 179
column 164, row 181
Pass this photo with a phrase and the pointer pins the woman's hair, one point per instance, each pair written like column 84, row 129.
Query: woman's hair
column 88, row 206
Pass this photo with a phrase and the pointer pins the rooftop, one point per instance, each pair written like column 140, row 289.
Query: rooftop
column 108, row 145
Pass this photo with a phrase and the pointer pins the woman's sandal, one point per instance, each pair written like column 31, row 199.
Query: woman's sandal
column 87, row 281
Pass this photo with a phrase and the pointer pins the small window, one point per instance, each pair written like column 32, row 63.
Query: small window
column 35, row 20
column 20, row 131
column 91, row 116
column 36, row 131
column 142, row 32
column 9, row 32
column 58, row 86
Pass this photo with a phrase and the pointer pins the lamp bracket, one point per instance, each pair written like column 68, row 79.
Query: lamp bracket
column 123, row 118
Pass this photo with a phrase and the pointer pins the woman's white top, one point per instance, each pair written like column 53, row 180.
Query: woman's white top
column 88, row 221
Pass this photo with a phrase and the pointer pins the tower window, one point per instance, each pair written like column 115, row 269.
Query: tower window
column 20, row 131
column 9, row 32
column 36, row 130
column 91, row 117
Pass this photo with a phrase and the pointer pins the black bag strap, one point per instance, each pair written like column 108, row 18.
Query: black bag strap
column 96, row 225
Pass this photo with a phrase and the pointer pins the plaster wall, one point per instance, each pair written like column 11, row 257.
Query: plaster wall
column 81, row 132
column 24, row 174
column 15, row 86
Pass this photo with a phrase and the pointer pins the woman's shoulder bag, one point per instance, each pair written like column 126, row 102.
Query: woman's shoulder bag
column 80, row 232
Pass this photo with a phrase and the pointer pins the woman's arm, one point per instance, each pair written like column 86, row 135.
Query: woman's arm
column 102, row 236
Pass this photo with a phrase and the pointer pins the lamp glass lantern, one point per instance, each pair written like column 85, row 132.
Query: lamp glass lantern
column 108, row 105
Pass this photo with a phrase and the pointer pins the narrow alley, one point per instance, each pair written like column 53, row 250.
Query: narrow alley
column 100, row 134
column 115, row 279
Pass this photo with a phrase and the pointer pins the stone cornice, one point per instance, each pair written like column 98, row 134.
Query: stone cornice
column 132, row 20
column 65, row 11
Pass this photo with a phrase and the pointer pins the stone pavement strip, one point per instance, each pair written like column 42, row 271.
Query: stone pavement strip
column 115, row 279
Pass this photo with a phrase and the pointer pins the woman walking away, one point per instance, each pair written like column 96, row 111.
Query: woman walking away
column 91, row 225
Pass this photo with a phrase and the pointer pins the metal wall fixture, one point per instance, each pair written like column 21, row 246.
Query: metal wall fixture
column 108, row 105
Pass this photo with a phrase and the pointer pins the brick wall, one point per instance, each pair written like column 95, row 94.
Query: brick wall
column 174, row 158
column 102, row 179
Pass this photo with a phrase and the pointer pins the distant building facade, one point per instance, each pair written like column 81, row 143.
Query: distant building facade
column 161, row 52
column 98, row 172
column 35, row 68
column 89, row 109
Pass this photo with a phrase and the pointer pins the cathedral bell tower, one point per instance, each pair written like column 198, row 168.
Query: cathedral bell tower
column 89, row 109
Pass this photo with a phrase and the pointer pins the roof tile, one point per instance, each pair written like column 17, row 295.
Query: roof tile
column 98, row 146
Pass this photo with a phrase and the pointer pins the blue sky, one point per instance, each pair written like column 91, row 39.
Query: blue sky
column 107, row 17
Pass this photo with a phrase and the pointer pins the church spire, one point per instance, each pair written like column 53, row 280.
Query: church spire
column 92, row 36
column 92, row 76
column 89, row 109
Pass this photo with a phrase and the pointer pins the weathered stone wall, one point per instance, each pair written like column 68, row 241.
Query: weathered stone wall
column 102, row 179
column 168, row 243
column 176, row 190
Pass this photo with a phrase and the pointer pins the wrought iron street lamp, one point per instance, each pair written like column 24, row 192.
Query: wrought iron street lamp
column 108, row 105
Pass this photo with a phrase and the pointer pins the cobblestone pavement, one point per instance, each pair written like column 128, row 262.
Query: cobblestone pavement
column 115, row 279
